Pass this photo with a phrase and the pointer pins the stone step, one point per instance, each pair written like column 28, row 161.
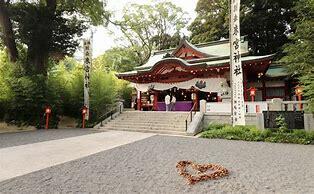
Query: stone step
column 156, row 112
column 137, row 126
column 156, row 116
column 152, row 120
column 146, row 131
column 179, row 124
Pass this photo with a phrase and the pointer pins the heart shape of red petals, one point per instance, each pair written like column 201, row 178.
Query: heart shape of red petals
column 201, row 169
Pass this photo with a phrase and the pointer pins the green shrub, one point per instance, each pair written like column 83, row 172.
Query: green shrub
column 281, row 124
column 215, row 126
column 250, row 133
column 23, row 96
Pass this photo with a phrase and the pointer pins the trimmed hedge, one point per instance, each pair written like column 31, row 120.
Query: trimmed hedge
column 250, row 133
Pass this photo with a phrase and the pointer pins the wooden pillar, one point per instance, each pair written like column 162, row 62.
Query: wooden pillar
column 196, row 99
column 155, row 106
column 287, row 97
column 245, row 83
column 264, row 90
column 245, row 90
column 139, row 100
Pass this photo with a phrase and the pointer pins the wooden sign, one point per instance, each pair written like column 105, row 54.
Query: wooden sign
column 236, row 73
column 87, row 69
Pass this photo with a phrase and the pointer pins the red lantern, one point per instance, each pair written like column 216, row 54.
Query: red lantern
column 84, row 112
column 298, row 90
column 252, row 93
column 48, row 112
column 298, row 93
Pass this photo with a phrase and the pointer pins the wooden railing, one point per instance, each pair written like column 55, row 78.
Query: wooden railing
column 293, row 105
column 258, row 106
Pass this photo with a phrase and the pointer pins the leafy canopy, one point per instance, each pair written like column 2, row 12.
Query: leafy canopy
column 300, row 51
column 48, row 28
column 148, row 27
column 265, row 22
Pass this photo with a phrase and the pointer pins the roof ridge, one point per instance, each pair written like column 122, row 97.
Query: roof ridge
column 210, row 43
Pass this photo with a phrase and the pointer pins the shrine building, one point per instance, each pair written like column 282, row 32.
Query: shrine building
column 202, row 71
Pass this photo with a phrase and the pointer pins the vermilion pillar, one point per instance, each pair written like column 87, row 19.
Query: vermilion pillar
column 139, row 100
column 155, row 101
column 196, row 100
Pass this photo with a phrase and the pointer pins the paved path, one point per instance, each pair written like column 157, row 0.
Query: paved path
column 23, row 159
column 27, row 137
column 148, row 166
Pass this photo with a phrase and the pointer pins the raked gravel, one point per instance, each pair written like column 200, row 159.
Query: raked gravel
column 27, row 137
column 148, row 166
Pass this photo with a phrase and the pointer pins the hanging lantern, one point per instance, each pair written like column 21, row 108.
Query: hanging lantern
column 252, row 93
column 298, row 93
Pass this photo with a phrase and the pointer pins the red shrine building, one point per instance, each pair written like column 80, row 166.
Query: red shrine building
column 202, row 71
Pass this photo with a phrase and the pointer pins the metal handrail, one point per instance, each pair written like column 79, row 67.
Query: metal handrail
column 111, row 113
column 190, row 115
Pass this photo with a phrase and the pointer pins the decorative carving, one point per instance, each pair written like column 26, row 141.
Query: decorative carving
column 200, row 84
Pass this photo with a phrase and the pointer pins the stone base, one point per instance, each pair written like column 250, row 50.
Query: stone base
column 309, row 122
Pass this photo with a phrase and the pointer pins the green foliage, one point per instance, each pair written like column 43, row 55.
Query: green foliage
column 45, row 32
column 49, row 29
column 211, row 22
column 266, row 23
column 281, row 124
column 250, row 133
column 307, row 81
column 67, row 80
column 117, row 59
column 300, row 51
column 29, row 101
column 92, row 11
column 148, row 27
column 23, row 97
column 103, row 93
column 124, row 91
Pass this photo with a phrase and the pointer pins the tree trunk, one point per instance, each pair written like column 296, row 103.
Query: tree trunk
column 8, row 34
column 39, row 49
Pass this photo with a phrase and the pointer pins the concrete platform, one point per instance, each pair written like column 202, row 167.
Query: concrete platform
column 19, row 160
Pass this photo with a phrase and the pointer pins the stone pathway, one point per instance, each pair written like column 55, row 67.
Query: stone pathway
column 23, row 159
column 148, row 165
column 27, row 137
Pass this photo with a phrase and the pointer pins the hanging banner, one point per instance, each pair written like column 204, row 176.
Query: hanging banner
column 87, row 69
column 219, row 85
column 237, row 100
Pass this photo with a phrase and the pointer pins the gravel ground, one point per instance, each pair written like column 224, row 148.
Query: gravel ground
column 148, row 166
column 27, row 137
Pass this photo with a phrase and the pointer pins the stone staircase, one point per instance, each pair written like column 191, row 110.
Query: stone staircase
column 149, row 121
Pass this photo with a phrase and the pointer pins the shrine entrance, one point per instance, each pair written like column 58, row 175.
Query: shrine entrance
column 185, row 99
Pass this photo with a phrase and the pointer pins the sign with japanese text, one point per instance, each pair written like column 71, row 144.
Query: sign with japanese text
column 236, row 73
column 87, row 69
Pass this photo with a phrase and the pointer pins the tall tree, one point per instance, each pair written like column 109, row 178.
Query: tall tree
column 265, row 22
column 211, row 22
column 46, row 27
column 300, row 51
column 7, row 34
column 117, row 59
column 148, row 27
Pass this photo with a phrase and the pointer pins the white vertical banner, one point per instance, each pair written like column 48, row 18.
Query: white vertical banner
column 236, row 73
column 87, row 68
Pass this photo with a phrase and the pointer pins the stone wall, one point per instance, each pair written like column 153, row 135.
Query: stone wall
column 251, row 119
column 256, row 119
column 225, row 118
